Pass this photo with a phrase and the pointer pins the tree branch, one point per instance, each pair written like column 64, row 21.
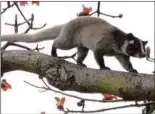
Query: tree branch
column 8, row 7
column 14, row 44
column 47, row 88
column 68, row 76
column 21, row 46
column 100, row 13
column 107, row 109
column 21, row 13
column 19, row 24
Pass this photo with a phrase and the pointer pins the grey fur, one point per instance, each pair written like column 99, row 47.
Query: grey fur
column 125, row 62
column 46, row 34
column 97, row 35
column 86, row 33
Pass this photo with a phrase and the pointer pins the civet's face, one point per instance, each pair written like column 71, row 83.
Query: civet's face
column 135, row 47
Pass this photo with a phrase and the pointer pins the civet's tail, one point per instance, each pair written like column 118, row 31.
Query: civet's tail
column 46, row 34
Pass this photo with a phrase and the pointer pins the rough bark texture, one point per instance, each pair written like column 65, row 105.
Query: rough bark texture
column 68, row 76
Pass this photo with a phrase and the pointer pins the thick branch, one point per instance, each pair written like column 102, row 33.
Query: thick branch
column 68, row 76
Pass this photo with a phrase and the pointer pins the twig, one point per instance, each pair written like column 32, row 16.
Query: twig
column 21, row 13
column 36, row 28
column 81, row 103
column 98, row 12
column 68, row 57
column 83, row 106
column 29, row 24
column 92, row 100
column 35, row 85
column 8, row 3
column 43, row 91
column 8, row 7
column 5, row 46
column 98, row 9
column 38, row 49
column 106, row 109
column 18, row 45
column 18, row 23
column 14, row 44
column 119, row 16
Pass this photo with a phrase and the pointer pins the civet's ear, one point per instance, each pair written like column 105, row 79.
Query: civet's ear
column 145, row 42
column 130, row 35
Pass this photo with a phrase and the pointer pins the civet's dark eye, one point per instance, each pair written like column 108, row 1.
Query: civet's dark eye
column 135, row 46
column 130, row 46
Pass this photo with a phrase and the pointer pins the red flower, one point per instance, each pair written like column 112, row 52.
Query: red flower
column 60, row 103
column 23, row 3
column 108, row 96
column 35, row 2
column 5, row 85
column 85, row 11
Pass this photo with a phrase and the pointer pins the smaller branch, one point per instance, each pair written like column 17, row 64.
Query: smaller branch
column 81, row 103
column 19, row 24
column 13, row 44
column 80, row 97
column 106, row 109
column 30, row 27
column 69, row 95
column 8, row 3
column 18, row 45
column 16, row 24
column 36, row 28
column 5, row 46
column 38, row 49
column 8, row 7
column 31, row 24
column 98, row 12
column 43, row 91
column 35, row 85
column 119, row 16
column 98, row 9
column 68, row 57
column 83, row 107
column 21, row 13
column 93, row 13
column 9, row 24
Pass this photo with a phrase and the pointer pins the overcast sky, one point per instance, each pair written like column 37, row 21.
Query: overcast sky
column 138, row 18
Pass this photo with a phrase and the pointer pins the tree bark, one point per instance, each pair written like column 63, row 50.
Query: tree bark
column 150, row 109
column 68, row 76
